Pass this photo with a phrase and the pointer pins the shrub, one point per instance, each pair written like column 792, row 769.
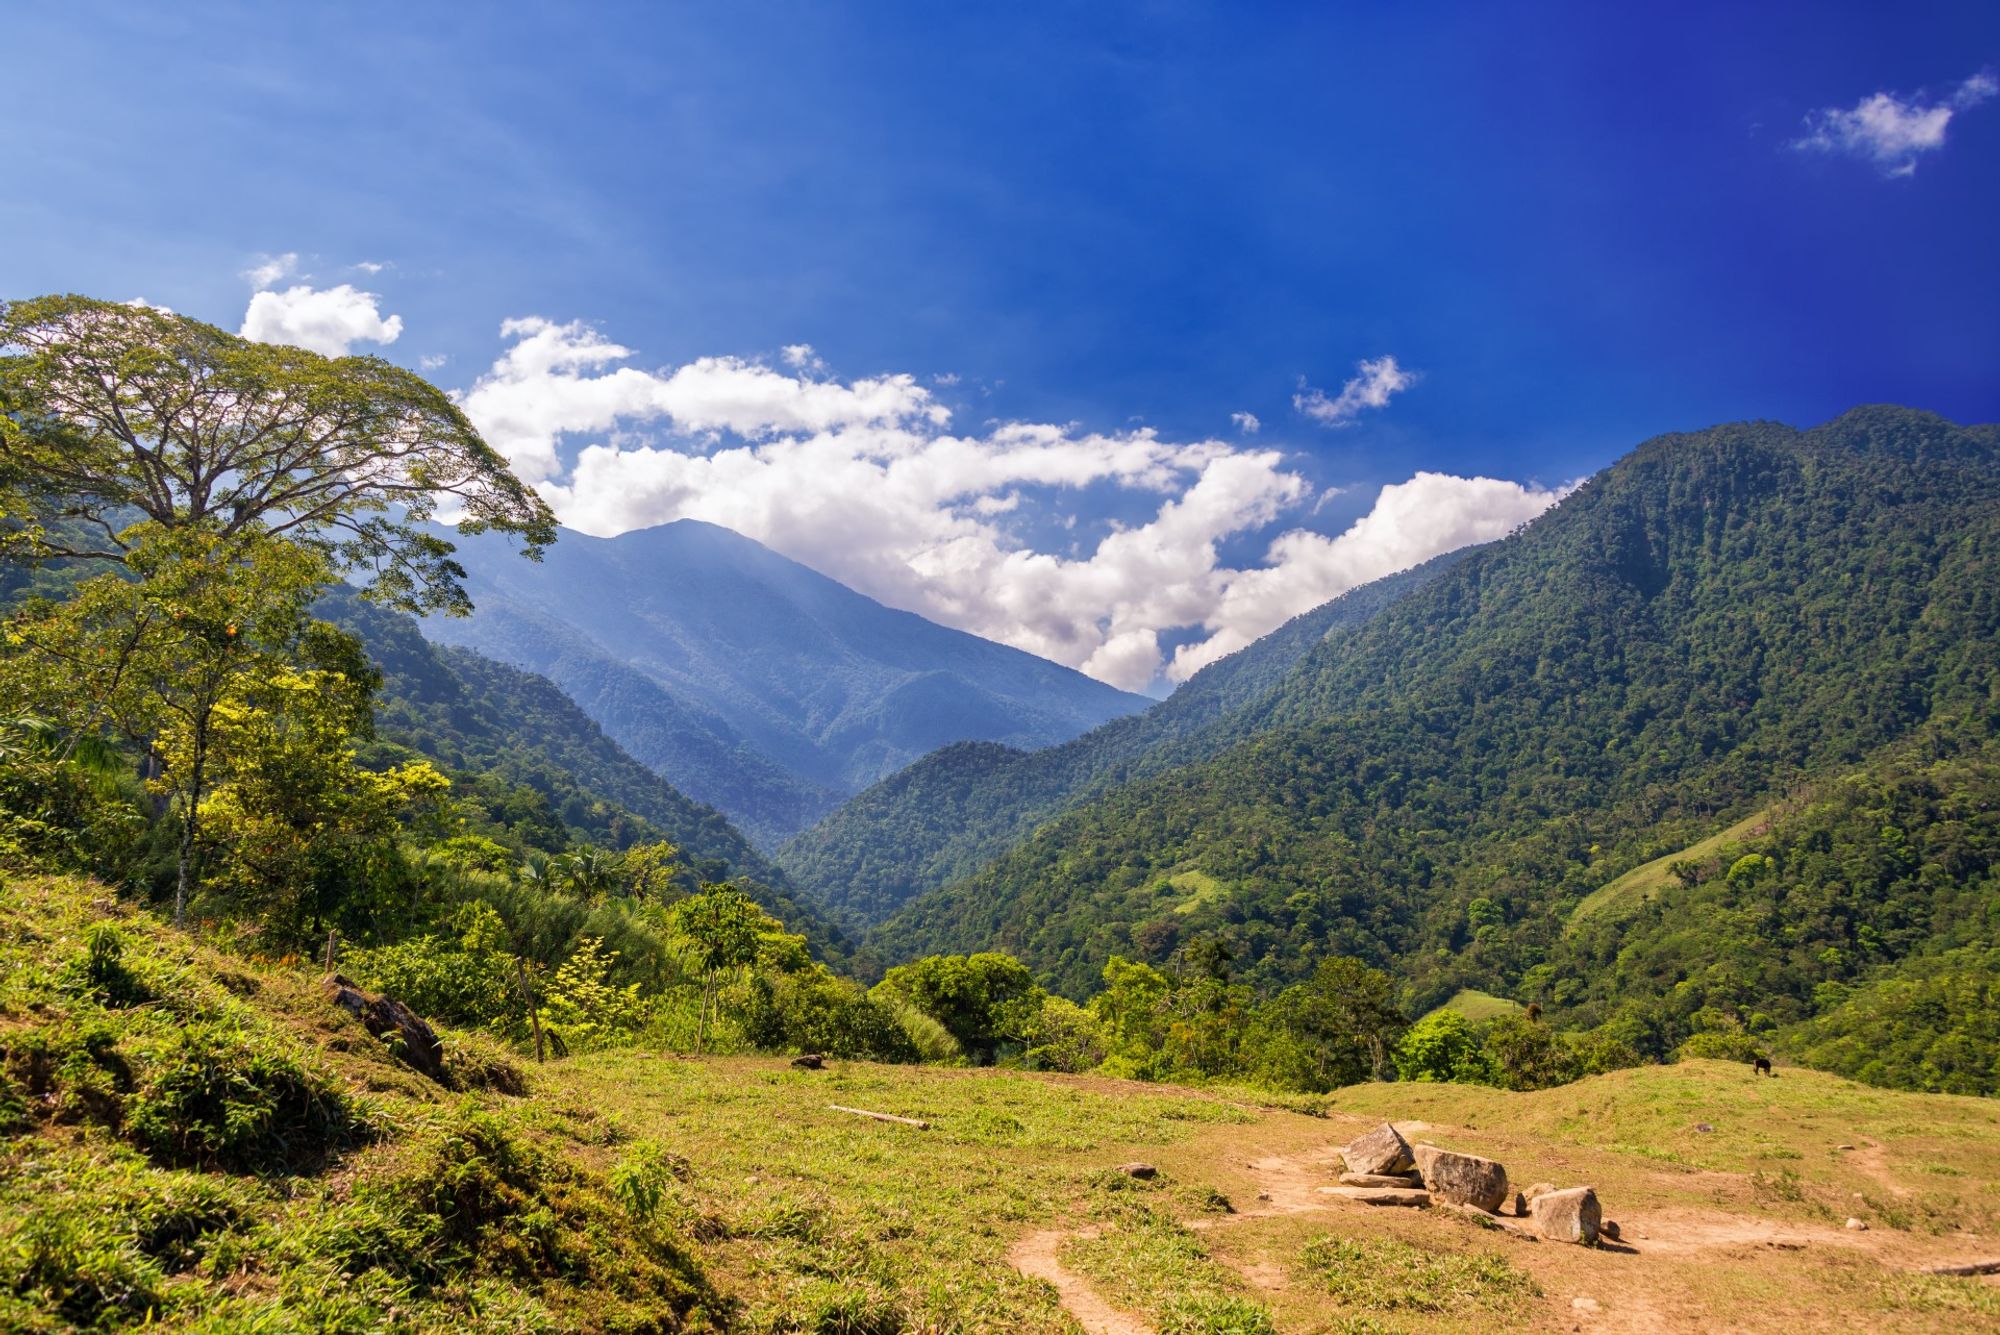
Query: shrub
column 1443, row 1046
column 226, row 1101
column 83, row 1267
column 818, row 1012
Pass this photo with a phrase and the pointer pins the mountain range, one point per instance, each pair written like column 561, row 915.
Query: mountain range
column 1722, row 621
column 753, row 683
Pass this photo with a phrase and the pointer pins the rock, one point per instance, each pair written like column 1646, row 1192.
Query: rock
column 1584, row 1304
column 1520, row 1206
column 1465, row 1178
column 1858, row 1225
column 1379, row 1195
column 1381, row 1152
column 1843, row 1147
column 1703, row 1127
column 1539, row 1189
column 388, row 1019
column 1568, row 1216
column 1145, row 1172
column 1380, row 1180
column 1610, row 1229
column 811, row 1061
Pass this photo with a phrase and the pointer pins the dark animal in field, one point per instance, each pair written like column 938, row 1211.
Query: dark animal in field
column 1761, row 1065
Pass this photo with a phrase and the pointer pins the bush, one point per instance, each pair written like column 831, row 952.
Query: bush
column 1443, row 1046
column 228, row 1102
column 82, row 1267
column 818, row 1012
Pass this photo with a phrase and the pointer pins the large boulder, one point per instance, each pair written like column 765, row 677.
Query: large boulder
column 1568, row 1216
column 391, row 1021
column 1465, row 1179
column 1380, row 1153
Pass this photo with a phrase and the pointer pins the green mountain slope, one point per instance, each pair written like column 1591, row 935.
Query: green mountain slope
column 496, row 726
column 958, row 808
column 1706, row 623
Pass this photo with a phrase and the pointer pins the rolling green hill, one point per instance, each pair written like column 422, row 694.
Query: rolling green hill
column 1714, row 620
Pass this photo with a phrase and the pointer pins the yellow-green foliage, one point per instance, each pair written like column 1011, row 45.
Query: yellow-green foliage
column 197, row 1141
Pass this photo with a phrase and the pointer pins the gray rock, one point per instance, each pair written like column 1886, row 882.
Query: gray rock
column 1143, row 1171
column 1858, row 1225
column 1380, row 1180
column 1520, row 1206
column 1379, row 1195
column 1381, row 1152
column 1465, row 1178
column 1568, row 1216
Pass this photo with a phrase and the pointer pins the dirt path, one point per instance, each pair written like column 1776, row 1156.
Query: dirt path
column 1873, row 1163
column 1036, row 1257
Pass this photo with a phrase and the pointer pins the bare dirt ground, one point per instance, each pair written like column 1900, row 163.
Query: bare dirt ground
column 1679, row 1265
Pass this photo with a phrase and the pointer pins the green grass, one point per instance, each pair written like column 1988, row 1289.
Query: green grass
column 293, row 1175
column 1476, row 1006
column 1387, row 1275
column 1197, row 888
column 1148, row 1262
column 1625, row 895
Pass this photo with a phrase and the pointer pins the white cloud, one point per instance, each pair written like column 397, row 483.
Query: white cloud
column 1246, row 423
column 1889, row 130
column 1411, row 522
column 868, row 481
column 327, row 321
column 371, row 267
column 268, row 270
column 1378, row 379
column 432, row 362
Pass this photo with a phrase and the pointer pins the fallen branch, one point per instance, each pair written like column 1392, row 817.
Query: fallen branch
column 1969, row 1268
column 882, row 1117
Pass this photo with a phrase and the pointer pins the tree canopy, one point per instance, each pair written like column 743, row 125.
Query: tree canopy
column 111, row 412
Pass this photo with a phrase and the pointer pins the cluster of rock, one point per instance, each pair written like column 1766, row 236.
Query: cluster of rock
column 1385, row 1169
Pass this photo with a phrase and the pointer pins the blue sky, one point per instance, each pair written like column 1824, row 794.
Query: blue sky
column 1576, row 226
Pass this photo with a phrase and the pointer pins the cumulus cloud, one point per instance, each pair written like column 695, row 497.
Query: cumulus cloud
column 1411, row 522
column 870, row 482
column 267, row 271
column 1371, row 388
column 1892, row 131
column 328, row 321
column 1246, row 423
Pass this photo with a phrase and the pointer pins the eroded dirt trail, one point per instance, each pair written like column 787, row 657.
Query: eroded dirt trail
column 1037, row 1256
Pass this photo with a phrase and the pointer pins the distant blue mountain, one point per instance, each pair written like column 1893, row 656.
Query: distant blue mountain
column 747, row 680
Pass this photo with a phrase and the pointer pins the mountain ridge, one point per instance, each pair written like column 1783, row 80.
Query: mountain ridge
column 749, row 680
column 1713, row 616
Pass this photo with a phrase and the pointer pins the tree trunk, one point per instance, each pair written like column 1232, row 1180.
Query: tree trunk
column 185, row 873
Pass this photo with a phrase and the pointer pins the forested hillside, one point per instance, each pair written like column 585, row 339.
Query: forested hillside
column 756, row 685
column 1716, row 620
column 522, row 750
column 958, row 808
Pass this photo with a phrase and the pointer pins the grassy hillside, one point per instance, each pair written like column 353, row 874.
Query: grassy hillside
column 1716, row 618
column 950, row 813
column 197, row 1140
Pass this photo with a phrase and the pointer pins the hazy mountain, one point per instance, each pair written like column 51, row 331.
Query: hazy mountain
column 498, row 727
column 751, row 682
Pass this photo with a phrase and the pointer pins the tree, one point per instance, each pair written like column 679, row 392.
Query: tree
column 110, row 411
column 1335, row 1029
column 1443, row 1046
column 154, row 657
column 983, row 1000
column 725, row 927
